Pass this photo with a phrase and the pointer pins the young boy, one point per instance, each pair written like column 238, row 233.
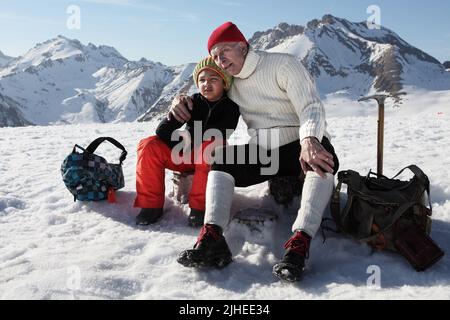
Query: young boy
column 214, row 110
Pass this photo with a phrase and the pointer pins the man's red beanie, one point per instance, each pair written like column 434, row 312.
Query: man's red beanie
column 228, row 32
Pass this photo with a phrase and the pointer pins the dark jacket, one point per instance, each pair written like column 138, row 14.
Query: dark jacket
column 223, row 114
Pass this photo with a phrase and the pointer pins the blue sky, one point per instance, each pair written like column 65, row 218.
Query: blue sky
column 176, row 31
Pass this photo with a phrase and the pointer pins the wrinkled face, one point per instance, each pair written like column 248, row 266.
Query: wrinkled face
column 211, row 85
column 230, row 56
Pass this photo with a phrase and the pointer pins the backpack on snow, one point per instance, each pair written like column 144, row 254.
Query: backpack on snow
column 388, row 214
column 90, row 177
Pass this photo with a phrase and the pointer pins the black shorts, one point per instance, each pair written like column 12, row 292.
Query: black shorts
column 249, row 167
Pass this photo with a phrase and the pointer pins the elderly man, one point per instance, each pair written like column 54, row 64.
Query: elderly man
column 277, row 99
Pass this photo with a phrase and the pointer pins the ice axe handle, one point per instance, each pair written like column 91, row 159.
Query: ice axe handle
column 380, row 142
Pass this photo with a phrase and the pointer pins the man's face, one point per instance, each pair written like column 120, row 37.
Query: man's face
column 230, row 56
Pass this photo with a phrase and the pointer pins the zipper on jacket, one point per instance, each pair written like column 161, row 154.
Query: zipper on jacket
column 212, row 108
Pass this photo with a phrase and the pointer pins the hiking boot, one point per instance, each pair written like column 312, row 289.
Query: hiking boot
column 290, row 268
column 148, row 216
column 196, row 218
column 211, row 250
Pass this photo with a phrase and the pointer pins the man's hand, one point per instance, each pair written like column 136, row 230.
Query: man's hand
column 314, row 157
column 180, row 108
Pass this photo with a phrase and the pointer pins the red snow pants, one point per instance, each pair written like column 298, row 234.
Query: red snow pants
column 153, row 157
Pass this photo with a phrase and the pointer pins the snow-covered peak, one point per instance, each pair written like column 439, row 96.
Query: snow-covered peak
column 64, row 81
column 272, row 37
column 61, row 49
column 329, row 25
column 181, row 82
column 447, row 65
column 4, row 59
column 379, row 34
column 353, row 58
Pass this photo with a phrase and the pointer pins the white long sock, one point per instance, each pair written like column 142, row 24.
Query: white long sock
column 219, row 197
column 316, row 194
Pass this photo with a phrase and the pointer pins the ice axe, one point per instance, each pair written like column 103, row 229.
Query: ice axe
column 380, row 98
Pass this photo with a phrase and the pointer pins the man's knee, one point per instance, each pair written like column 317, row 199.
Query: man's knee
column 329, row 147
column 221, row 161
column 227, row 168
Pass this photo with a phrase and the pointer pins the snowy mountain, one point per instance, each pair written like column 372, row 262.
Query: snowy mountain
column 4, row 59
column 183, row 82
column 447, row 65
column 349, row 58
column 11, row 114
column 64, row 81
column 124, row 94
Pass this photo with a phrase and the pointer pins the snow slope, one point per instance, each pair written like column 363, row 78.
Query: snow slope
column 4, row 59
column 54, row 248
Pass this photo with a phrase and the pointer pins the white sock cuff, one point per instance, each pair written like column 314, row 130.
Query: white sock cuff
column 219, row 197
column 222, row 174
column 313, row 174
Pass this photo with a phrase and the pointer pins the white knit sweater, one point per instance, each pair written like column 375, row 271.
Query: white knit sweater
column 274, row 91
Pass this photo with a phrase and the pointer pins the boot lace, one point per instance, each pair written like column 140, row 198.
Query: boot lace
column 298, row 244
column 207, row 231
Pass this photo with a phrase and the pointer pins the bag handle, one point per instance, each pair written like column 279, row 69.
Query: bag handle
column 421, row 176
column 418, row 173
column 376, row 174
column 79, row 147
column 94, row 145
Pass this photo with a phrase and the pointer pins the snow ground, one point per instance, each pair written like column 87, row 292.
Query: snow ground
column 54, row 248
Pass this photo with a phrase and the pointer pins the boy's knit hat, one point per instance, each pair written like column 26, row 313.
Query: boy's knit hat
column 227, row 32
column 208, row 63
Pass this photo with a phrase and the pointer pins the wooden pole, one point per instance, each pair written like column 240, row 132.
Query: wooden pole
column 380, row 98
column 380, row 143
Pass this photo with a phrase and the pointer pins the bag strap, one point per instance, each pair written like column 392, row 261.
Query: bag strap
column 418, row 173
column 371, row 173
column 348, row 177
column 335, row 204
column 397, row 215
column 94, row 145
column 77, row 146
column 422, row 177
